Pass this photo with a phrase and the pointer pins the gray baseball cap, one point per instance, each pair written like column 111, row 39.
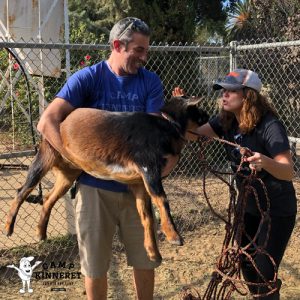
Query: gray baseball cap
column 238, row 79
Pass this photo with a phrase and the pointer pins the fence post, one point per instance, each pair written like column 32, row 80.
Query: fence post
column 233, row 45
column 67, row 36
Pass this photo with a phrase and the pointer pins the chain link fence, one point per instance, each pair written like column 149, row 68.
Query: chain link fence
column 31, row 74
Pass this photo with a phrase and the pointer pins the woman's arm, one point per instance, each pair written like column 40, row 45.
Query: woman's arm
column 206, row 130
column 281, row 166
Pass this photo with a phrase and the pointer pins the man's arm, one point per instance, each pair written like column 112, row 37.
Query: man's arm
column 49, row 124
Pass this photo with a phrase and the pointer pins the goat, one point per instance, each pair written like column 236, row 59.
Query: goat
column 134, row 148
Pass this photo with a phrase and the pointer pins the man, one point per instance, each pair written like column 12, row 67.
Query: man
column 117, row 84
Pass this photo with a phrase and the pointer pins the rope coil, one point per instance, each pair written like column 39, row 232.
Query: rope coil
column 227, row 279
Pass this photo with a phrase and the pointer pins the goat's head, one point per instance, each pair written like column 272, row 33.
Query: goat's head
column 187, row 114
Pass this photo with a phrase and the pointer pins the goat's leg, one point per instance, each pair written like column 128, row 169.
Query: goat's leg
column 65, row 176
column 167, row 223
column 156, row 191
column 41, row 164
column 143, row 205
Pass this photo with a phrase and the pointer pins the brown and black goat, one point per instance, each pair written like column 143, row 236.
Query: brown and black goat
column 134, row 148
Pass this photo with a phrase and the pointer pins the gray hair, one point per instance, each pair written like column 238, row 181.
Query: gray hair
column 124, row 29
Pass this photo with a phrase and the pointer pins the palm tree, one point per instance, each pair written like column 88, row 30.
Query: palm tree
column 260, row 19
column 239, row 21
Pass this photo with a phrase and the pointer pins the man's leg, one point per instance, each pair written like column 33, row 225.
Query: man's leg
column 96, row 288
column 96, row 219
column 132, row 234
column 144, row 283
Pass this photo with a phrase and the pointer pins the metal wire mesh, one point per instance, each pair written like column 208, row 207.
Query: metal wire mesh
column 192, row 67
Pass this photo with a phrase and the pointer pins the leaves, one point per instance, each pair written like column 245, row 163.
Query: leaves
column 171, row 21
column 262, row 19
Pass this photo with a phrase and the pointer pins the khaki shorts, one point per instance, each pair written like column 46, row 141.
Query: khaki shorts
column 98, row 213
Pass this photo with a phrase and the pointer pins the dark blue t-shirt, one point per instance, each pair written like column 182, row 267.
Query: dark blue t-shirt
column 269, row 137
column 98, row 87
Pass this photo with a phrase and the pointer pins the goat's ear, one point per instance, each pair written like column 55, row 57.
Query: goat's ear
column 197, row 115
column 192, row 111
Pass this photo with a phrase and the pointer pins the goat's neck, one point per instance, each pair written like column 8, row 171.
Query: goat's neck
column 180, row 129
column 172, row 121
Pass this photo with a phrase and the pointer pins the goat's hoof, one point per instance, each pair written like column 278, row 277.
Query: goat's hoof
column 9, row 228
column 156, row 258
column 41, row 235
column 177, row 241
column 153, row 254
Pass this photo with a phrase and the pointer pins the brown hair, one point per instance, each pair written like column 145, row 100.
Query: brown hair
column 255, row 106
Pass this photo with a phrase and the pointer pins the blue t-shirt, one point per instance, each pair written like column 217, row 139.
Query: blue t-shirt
column 98, row 87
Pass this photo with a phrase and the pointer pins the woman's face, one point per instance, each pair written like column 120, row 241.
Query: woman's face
column 232, row 100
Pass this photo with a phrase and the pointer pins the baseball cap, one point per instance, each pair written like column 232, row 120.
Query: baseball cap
column 238, row 79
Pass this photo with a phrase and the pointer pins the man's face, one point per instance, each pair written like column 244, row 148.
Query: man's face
column 135, row 55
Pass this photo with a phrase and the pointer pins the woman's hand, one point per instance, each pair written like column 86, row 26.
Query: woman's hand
column 178, row 92
column 255, row 161
column 280, row 166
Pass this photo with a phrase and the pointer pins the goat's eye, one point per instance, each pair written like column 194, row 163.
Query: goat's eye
column 203, row 118
column 200, row 121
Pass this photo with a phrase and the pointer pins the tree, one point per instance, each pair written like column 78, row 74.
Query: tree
column 170, row 20
column 257, row 19
column 271, row 20
column 239, row 23
column 91, row 20
column 291, row 31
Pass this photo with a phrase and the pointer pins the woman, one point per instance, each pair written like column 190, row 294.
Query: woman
column 247, row 118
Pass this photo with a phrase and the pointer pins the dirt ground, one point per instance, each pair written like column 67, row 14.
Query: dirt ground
column 182, row 267
column 188, row 266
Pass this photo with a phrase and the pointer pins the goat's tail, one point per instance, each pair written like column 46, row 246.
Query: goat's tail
column 42, row 163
